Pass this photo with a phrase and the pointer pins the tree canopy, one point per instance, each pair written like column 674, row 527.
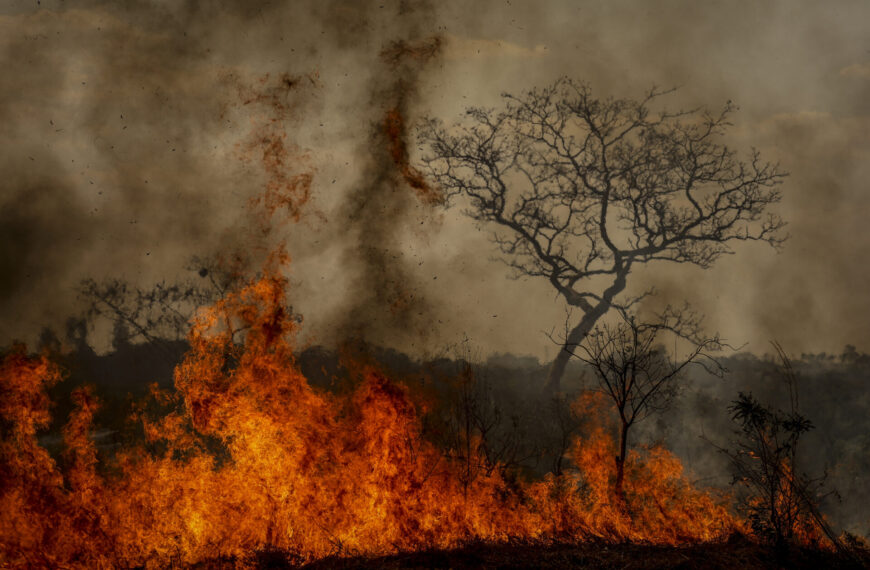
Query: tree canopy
column 581, row 189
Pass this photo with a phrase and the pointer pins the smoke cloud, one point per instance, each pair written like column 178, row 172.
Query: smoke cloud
column 137, row 133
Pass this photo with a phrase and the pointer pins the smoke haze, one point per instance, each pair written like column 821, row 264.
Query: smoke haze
column 131, row 144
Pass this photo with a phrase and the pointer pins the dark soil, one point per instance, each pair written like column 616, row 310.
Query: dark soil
column 735, row 554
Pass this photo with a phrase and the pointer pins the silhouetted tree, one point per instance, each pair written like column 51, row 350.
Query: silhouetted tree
column 635, row 372
column 781, row 501
column 565, row 424
column 474, row 427
column 580, row 190
column 850, row 354
column 158, row 314
column 764, row 460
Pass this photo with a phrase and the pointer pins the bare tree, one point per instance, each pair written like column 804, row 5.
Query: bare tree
column 565, row 423
column 580, row 190
column 636, row 373
column 477, row 431
column 160, row 314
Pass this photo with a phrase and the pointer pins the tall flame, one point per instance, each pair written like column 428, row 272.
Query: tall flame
column 247, row 455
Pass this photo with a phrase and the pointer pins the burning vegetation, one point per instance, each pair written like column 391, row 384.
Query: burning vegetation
column 245, row 455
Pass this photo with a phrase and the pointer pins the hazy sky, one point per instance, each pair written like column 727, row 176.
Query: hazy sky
column 134, row 138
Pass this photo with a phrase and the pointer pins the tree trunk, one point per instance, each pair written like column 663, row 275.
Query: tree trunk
column 620, row 463
column 575, row 337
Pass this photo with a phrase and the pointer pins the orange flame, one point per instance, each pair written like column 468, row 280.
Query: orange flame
column 272, row 106
column 247, row 455
column 394, row 129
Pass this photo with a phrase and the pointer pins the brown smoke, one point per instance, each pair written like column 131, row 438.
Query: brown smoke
column 388, row 297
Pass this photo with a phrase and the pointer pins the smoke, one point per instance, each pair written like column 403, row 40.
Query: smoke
column 141, row 133
column 130, row 148
column 137, row 133
column 102, row 166
column 387, row 294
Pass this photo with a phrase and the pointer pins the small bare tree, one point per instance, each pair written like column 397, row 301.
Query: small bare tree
column 580, row 190
column 781, row 501
column 564, row 424
column 477, row 430
column 160, row 314
column 636, row 373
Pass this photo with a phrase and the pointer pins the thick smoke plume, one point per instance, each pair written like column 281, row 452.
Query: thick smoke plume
column 386, row 294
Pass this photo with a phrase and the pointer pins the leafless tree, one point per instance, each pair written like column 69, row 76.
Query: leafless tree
column 160, row 314
column 476, row 431
column 580, row 190
column 636, row 373
column 565, row 424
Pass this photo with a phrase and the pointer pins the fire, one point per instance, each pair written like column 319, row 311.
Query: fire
column 394, row 129
column 404, row 60
column 273, row 103
column 660, row 505
column 246, row 455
